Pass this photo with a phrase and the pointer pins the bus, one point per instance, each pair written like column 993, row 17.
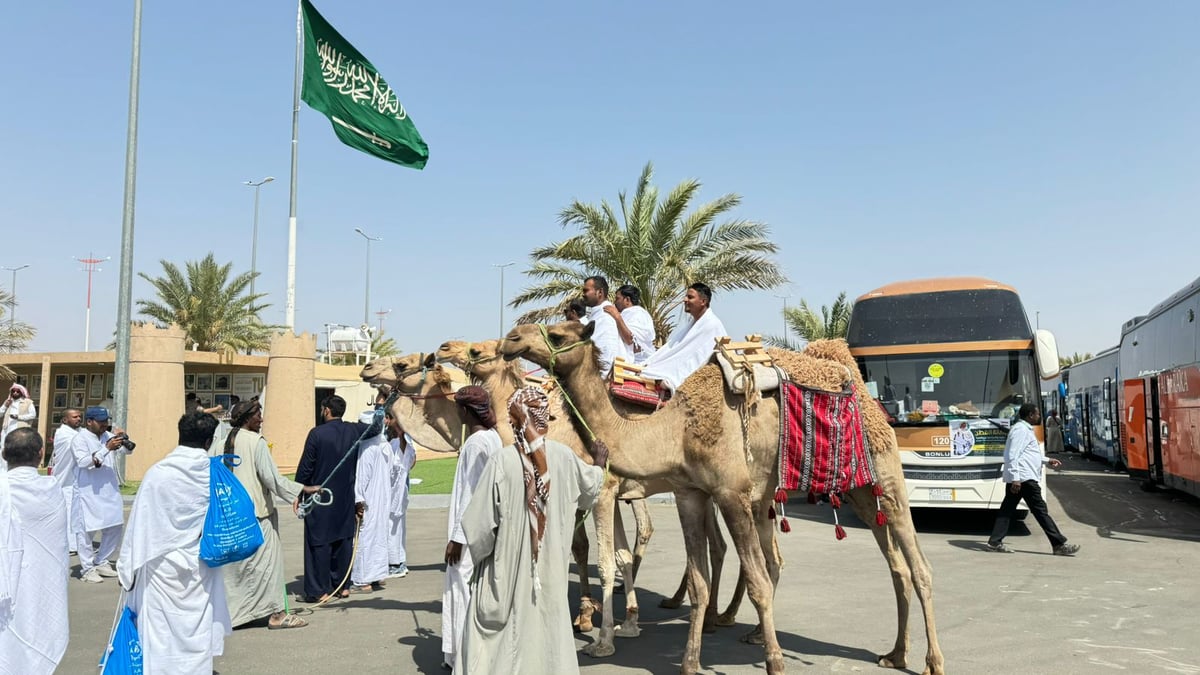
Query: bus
column 1160, row 393
column 1092, row 405
column 951, row 360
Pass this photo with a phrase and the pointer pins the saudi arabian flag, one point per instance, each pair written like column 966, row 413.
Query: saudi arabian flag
column 341, row 83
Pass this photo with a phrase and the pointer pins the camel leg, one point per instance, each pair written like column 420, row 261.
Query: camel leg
column 676, row 601
column 605, row 558
column 716, row 555
column 645, row 530
column 579, row 551
column 624, row 559
column 910, row 570
column 739, row 518
column 769, row 542
column 694, row 508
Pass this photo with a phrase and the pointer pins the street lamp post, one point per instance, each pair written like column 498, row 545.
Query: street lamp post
column 12, row 298
column 254, row 241
column 90, row 266
column 507, row 264
column 785, row 308
column 367, row 295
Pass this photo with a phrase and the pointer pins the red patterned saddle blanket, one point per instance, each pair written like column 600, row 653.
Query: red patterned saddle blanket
column 822, row 448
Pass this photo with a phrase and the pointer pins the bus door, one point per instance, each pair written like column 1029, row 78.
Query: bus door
column 1086, row 447
column 1154, row 435
column 1110, row 417
column 1133, row 421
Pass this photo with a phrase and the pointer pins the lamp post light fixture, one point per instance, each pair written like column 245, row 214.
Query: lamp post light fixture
column 254, row 240
column 507, row 264
column 12, row 296
column 367, row 296
column 785, row 308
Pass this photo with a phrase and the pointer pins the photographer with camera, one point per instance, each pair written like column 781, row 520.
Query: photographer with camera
column 98, row 492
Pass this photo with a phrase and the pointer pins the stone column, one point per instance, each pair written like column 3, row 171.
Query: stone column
column 155, row 395
column 288, row 413
column 43, row 406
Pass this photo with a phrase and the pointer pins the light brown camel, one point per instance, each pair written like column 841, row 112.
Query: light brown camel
column 701, row 441
column 425, row 409
column 501, row 378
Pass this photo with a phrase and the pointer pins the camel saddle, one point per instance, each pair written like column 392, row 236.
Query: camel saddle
column 628, row 385
column 746, row 366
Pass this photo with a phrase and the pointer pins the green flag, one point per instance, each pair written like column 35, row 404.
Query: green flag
column 341, row 83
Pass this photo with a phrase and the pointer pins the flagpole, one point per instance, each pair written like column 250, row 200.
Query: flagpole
column 290, row 314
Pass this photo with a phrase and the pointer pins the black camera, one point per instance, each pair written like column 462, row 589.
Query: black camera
column 125, row 442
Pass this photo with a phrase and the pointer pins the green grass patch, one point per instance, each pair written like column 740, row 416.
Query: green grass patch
column 437, row 476
column 130, row 487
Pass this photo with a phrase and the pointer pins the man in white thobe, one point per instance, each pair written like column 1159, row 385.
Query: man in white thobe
column 36, row 638
column 692, row 345
column 605, row 336
column 182, row 619
column 404, row 457
column 62, row 467
column 98, row 494
column 373, row 500
column 17, row 411
column 518, row 620
column 634, row 323
column 475, row 408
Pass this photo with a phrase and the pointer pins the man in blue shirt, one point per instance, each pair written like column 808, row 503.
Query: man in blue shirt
column 1023, row 461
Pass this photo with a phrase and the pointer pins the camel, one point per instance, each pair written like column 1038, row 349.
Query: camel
column 501, row 378
column 425, row 408
column 709, row 445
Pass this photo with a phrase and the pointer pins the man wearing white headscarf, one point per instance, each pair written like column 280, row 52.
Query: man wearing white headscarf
column 17, row 411
column 373, row 501
column 518, row 528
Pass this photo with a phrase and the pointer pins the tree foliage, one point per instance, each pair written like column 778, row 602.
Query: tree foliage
column 216, row 312
column 658, row 245
column 1064, row 361
column 14, row 336
column 833, row 321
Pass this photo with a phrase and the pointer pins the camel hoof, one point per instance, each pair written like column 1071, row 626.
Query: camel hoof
column 727, row 620
column 893, row 661
column 628, row 631
column 754, row 637
column 670, row 603
column 599, row 650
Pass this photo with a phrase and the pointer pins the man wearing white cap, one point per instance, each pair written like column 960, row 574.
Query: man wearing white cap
column 98, row 491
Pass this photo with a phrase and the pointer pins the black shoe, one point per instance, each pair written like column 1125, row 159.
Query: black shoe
column 1000, row 548
column 1066, row 549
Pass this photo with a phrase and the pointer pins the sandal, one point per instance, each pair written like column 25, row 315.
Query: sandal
column 288, row 621
column 357, row 590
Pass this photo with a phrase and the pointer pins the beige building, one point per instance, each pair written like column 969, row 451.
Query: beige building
column 288, row 379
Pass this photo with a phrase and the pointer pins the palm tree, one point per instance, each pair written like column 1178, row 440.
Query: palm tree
column 659, row 247
column 1064, row 361
column 16, row 336
column 215, row 312
column 833, row 322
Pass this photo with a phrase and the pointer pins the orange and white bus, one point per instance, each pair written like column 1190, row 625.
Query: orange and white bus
column 951, row 360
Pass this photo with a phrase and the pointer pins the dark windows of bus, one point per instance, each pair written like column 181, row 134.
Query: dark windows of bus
column 945, row 316
column 975, row 385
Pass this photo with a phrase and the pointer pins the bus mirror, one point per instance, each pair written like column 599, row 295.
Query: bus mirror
column 1046, row 349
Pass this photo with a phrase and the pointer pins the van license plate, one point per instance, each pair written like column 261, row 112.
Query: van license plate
column 941, row 494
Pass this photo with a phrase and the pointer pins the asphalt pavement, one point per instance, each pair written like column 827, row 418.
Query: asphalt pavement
column 1128, row 602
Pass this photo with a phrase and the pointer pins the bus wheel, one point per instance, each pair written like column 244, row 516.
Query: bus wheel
column 1149, row 486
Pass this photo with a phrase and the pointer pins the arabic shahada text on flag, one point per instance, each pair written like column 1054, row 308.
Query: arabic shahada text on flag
column 341, row 83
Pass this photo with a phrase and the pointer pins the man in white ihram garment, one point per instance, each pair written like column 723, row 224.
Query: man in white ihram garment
column 373, row 500
column 98, row 494
column 518, row 528
column 634, row 323
column 36, row 639
column 691, row 345
column 12, row 549
column 475, row 409
column 404, row 457
column 182, row 619
column 62, row 467
column 605, row 337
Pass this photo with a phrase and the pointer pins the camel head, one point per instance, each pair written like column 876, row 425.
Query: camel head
column 378, row 371
column 425, row 406
column 453, row 351
column 568, row 344
column 484, row 359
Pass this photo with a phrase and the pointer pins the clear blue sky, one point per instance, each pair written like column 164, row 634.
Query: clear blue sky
column 1049, row 145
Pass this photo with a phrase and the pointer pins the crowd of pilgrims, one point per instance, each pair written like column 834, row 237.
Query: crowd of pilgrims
column 508, row 535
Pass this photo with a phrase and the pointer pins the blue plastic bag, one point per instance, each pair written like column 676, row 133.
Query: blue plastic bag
column 124, row 653
column 231, row 532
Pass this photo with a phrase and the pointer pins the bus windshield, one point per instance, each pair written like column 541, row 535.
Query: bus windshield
column 940, row 316
column 920, row 389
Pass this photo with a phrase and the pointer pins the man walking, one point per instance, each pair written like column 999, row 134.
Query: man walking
column 1023, row 461
column 329, row 530
column 98, row 495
